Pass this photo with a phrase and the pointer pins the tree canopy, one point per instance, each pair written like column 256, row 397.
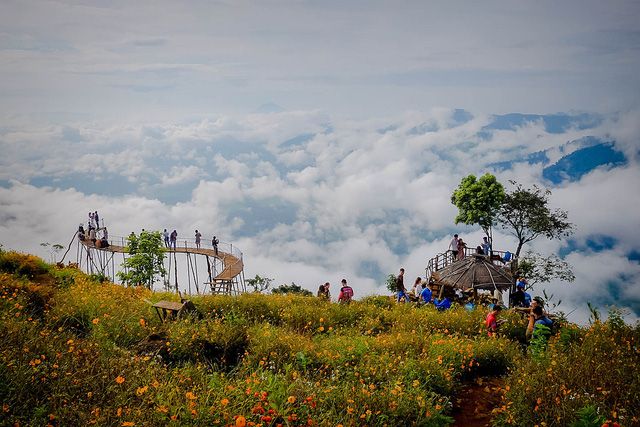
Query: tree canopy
column 537, row 268
column 525, row 214
column 259, row 283
column 478, row 201
column 145, row 261
column 291, row 289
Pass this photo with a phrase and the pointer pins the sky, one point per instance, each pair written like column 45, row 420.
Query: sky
column 324, row 139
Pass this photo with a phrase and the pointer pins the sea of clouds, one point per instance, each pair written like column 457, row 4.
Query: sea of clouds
column 309, row 198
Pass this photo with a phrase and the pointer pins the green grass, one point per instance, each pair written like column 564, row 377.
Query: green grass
column 75, row 351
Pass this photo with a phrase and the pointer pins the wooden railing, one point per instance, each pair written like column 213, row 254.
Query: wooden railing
column 445, row 259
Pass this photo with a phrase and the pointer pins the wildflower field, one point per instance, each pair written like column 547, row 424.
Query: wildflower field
column 76, row 351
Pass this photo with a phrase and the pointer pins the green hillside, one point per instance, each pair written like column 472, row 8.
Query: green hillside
column 75, row 351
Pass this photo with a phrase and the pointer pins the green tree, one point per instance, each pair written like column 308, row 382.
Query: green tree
column 53, row 251
column 259, row 284
column 537, row 268
column 391, row 283
column 525, row 213
column 478, row 201
column 145, row 261
column 291, row 289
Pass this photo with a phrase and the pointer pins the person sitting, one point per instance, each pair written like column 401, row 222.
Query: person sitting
column 426, row 294
column 536, row 318
column 479, row 250
column 442, row 305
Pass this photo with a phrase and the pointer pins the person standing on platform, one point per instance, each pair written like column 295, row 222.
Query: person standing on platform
column 173, row 239
column 198, row 236
column 214, row 243
column 165, row 234
column 454, row 246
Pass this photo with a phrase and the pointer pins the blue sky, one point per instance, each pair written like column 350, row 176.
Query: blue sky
column 324, row 139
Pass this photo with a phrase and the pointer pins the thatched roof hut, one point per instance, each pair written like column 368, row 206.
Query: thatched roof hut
column 474, row 272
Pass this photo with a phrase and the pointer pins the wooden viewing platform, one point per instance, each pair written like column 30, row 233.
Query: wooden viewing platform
column 232, row 264
column 224, row 263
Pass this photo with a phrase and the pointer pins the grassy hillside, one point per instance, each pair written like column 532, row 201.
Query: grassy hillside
column 75, row 351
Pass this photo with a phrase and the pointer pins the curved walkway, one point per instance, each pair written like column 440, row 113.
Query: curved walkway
column 232, row 264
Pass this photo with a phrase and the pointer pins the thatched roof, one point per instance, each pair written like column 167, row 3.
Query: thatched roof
column 474, row 272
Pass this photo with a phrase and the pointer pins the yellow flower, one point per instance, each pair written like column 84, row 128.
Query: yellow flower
column 291, row 399
column 120, row 379
column 142, row 390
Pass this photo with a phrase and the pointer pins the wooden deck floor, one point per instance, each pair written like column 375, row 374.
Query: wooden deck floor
column 232, row 265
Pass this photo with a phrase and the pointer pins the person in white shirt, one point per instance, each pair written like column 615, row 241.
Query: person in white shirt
column 454, row 246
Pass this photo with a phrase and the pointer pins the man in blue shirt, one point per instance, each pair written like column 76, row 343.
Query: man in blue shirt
column 426, row 294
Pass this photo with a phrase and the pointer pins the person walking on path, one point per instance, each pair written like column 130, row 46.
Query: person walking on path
column 454, row 246
column 198, row 236
column 346, row 293
column 173, row 238
column 402, row 291
column 214, row 243
column 165, row 234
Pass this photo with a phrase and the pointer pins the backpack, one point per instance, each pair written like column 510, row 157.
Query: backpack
column 347, row 293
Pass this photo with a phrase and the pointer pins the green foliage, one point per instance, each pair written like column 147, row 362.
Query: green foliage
column 594, row 366
column 25, row 265
column 391, row 283
column 291, row 289
column 540, row 269
column 589, row 417
column 478, row 201
column 539, row 341
column 259, row 283
column 145, row 260
column 525, row 213
column 98, row 355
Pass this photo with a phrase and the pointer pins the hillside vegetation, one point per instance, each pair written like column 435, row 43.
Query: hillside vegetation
column 77, row 351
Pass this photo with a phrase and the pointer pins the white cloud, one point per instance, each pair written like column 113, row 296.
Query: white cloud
column 366, row 203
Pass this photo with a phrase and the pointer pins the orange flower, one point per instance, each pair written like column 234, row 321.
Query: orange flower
column 120, row 379
column 143, row 323
column 241, row 421
column 142, row 390
column 291, row 399
column 224, row 402
column 128, row 424
column 95, row 321
column 190, row 396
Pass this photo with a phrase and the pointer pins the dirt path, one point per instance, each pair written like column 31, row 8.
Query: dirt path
column 475, row 401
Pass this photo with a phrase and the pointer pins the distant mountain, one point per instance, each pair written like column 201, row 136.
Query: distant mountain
column 574, row 166
column 583, row 156
column 553, row 123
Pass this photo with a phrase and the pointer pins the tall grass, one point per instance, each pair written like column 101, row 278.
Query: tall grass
column 92, row 353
